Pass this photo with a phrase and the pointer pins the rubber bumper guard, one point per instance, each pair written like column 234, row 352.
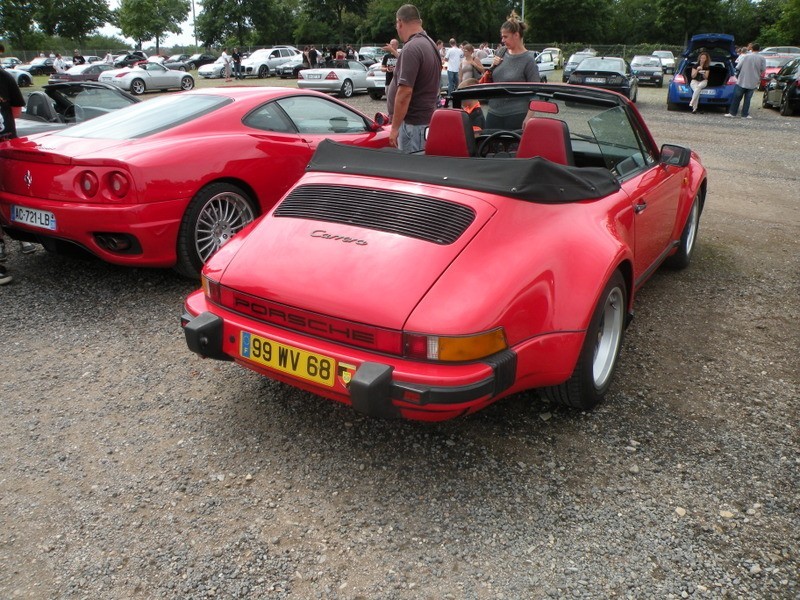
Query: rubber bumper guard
column 204, row 335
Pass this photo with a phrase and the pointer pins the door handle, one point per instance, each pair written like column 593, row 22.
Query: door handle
column 640, row 206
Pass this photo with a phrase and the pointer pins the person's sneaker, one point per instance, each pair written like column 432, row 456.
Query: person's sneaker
column 3, row 254
column 27, row 248
column 4, row 276
column 729, row 115
column 748, row 117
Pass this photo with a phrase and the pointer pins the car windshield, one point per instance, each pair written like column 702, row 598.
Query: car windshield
column 147, row 118
column 601, row 64
column 174, row 58
column 576, row 58
column 646, row 61
column 663, row 54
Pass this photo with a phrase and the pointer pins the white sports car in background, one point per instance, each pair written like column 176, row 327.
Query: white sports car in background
column 345, row 78
column 147, row 77
column 213, row 70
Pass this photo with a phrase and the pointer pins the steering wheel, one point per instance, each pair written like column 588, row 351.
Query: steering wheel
column 75, row 113
column 499, row 141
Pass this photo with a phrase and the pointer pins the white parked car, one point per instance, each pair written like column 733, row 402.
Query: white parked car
column 146, row 77
column 667, row 60
column 265, row 62
column 23, row 78
column 345, row 78
column 558, row 56
column 213, row 70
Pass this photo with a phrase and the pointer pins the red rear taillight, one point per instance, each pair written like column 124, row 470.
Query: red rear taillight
column 88, row 183
column 332, row 75
column 679, row 79
column 119, row 184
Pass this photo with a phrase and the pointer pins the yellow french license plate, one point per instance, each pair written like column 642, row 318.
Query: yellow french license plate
column 305, row 365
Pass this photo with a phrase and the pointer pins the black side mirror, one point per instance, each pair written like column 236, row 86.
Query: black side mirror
column 676, row 156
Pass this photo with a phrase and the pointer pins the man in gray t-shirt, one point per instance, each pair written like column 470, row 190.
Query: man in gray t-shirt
column 750, row 67
column 412, row 95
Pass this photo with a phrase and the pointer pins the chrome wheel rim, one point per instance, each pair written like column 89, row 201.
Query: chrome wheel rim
column 691, row 226
column 609, row 336
column 220, row 218
column 138, row 87
column 186, row 84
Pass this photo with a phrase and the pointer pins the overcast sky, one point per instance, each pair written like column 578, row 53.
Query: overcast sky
column 185, row 38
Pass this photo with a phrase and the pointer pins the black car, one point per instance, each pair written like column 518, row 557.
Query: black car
column 783, row 89
column 648, row 69
column 195, row 61
column 39, row 66
column 609, row 73
column 128, row 59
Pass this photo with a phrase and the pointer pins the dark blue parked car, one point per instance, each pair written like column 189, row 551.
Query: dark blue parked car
column 721, row 80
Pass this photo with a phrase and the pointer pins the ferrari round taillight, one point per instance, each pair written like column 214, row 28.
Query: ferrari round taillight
column 119, row 184
column 332, row 75
column 88, row 183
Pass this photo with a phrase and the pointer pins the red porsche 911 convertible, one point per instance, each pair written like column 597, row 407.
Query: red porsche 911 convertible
column 428, row 286
column 166, row 182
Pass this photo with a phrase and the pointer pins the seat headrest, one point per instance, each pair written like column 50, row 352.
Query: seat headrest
column 548, row 138
column 450, row 134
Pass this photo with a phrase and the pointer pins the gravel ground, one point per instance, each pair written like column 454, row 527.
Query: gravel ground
column 130, row 468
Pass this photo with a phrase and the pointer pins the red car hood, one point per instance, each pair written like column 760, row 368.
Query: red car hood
column 345, row 271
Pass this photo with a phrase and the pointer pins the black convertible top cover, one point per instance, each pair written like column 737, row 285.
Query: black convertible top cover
column 532, row 179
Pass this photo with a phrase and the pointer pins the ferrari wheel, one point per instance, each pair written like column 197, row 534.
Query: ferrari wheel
column 137, row 87
column 347, row 89
column 598, row 358
column 682, row 258
column 214, row 216
column 187, row 83
column 785, row 108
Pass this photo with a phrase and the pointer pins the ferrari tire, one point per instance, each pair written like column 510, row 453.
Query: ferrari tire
column 600, row 352
column 376, row 95
column 682, row 258
column 187, row 83
column 785, row 108
column 263, row 72
column 213, row 217
column 137, row 87
column 347, row 89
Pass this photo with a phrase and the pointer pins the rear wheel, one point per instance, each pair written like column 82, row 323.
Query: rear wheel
column 263, row 71
column 137, row 87
column 214, row 215
column 598, row 358
column 682, row 258
column 786, row 108
column 187, row 83
column 25, row 81
column 347, row 89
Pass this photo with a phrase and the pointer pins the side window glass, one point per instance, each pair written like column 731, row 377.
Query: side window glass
column 269, row 117
column 320, row 116
column 621, row 145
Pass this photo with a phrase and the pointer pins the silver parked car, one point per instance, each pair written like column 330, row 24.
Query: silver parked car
column 146, row 77
column 345, row 78
column 265, row 62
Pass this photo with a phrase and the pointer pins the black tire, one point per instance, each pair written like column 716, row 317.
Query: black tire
column 376, row 95
column 682, row 258
column 215, row 214
column 597, row 362
column 347, row 89
column 182, row 68
column 25, row 81
column 660, row 84
column 138, row 87
column 672, row 106
column 187, row 83
column 785, row 108
column 263, row 72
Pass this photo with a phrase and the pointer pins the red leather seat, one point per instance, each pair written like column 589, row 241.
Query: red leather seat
column 450, row 134
column 548, row 138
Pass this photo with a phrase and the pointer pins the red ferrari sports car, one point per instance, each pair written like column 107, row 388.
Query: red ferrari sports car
column 168, row 181
column 428, row 286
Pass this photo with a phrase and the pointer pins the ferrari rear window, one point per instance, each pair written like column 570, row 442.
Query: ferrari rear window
column 147, row 118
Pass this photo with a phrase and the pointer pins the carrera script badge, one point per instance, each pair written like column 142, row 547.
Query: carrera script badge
column 321, row 233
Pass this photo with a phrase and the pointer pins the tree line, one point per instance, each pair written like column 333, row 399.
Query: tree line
column 28, row 24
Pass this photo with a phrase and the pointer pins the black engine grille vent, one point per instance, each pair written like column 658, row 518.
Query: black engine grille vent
column 428, row 219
